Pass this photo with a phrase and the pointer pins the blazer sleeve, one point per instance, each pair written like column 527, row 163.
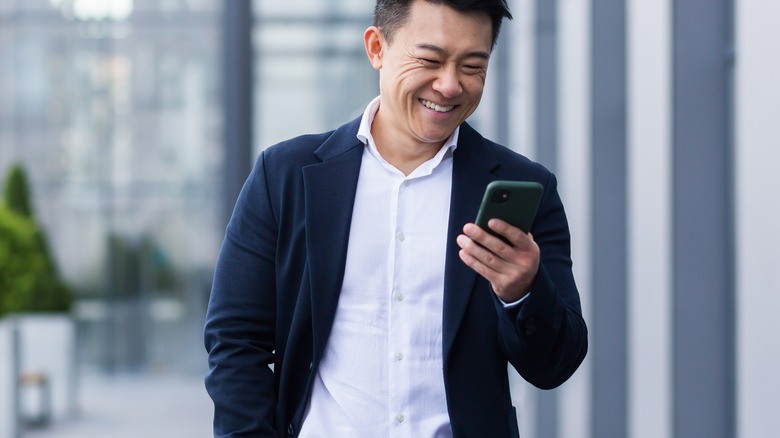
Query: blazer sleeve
column 240, row 321
column 545, row 336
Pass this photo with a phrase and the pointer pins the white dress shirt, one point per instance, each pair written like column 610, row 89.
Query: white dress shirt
column 381, row 373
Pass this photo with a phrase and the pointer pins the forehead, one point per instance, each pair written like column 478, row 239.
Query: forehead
column 439, row 23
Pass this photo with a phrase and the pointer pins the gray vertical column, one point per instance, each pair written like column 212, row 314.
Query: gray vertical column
column 703, row 277
column 500, row 64
column 609, row 297
column 546, row 142
column 16, row 372
column 546, row 85
column 237, row 90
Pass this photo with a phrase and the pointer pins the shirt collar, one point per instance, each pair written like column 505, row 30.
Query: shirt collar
column 364, row 131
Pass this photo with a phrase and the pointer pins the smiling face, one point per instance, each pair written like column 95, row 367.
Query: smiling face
column 431, row 77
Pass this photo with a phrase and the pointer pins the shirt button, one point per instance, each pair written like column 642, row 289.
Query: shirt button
column 406, row 183
column 399, row 418
column 399, row 356
column 401, row 237
column 399, row 296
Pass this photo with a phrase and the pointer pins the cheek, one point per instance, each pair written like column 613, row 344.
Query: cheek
column 411, row 80
column 474, row 84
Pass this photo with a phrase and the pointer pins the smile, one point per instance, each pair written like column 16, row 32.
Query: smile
column 437, row 108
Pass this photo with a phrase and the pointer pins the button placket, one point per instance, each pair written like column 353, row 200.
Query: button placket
column 395, row 338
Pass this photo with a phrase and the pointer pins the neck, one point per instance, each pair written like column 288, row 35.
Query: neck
column 403, row 154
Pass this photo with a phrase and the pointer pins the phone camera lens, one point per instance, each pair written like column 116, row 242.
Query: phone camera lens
column 500, row 196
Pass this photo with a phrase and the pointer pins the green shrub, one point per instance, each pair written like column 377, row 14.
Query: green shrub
column 29, row 280
column 21, row 263
column 17, row 192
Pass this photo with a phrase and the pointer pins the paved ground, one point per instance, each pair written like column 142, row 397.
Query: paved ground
column 136, row 406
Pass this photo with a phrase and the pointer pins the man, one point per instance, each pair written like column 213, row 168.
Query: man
column 353, row 297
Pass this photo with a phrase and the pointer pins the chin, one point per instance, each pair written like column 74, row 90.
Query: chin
column 437, row 133
column 433, row 139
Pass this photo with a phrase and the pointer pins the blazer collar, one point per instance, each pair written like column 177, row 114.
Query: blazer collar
column 340, row 141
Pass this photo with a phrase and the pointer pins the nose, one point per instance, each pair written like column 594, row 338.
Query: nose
column 448, row 82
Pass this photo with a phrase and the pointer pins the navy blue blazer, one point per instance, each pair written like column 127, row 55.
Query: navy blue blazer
column 280, row 269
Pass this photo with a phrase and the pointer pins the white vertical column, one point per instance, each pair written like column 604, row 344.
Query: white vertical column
column 521, row 134
column 520, row 88
column 757, row 154
column 649, row 218
column 575, row 188
column 521, row 79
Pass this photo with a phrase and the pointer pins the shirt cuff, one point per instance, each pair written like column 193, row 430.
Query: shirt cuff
column 513, row 303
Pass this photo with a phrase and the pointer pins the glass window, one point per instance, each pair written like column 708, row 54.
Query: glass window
column 312, row 73
column 114, row 110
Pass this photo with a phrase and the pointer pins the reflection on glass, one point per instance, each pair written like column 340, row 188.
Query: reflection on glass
column 113, row 108
column 312, row 72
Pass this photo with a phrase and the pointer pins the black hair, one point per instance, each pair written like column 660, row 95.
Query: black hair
column 389, row 15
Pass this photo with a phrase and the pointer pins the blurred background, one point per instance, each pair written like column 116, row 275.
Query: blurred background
column 127, row 128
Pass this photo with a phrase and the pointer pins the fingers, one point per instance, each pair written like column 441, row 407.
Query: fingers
column 493, row 253
column 509, row 268
column 478, row 257
column 513, row 234
column 516, row 237
column 482, row 268
column 483, row 246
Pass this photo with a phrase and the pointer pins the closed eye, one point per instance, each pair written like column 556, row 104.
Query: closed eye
column 473, row 68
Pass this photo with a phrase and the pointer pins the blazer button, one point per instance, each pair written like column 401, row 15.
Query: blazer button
column 530, row 326
column 290, row 429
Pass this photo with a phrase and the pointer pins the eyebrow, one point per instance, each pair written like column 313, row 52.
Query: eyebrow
column 439, row 50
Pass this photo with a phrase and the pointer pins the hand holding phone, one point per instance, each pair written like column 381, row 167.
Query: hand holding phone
column 510, row 272
column 515, row 202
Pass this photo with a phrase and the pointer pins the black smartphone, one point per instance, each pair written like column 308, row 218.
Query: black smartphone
column 515, row 202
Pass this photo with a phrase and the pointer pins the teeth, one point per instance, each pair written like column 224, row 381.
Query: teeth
column 437, row 108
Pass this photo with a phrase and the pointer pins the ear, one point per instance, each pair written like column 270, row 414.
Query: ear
column 374, row 42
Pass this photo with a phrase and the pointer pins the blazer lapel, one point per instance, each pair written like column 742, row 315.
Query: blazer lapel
column 329, row 189
column 472, row 172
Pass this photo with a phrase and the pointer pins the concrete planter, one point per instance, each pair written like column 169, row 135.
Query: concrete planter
column 39, row 352
column 9, row 345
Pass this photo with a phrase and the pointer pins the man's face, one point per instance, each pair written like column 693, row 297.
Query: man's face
column 432, row 75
